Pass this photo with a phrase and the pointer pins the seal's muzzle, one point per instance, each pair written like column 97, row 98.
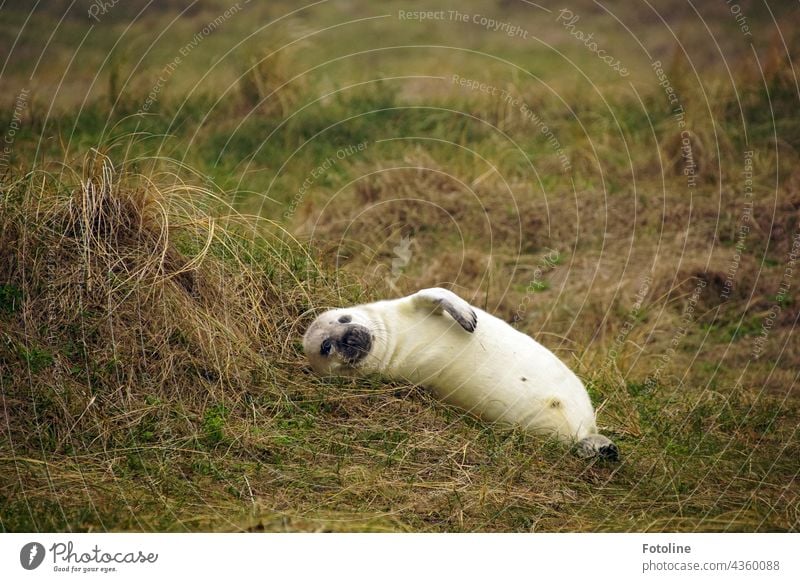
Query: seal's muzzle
column 355, row 344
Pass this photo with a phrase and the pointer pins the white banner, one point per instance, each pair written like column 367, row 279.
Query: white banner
column 400, row 557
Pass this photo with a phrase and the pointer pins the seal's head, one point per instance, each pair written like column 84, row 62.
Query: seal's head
column 338, row 341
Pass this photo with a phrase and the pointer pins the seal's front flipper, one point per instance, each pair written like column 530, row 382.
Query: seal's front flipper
column 440, row 300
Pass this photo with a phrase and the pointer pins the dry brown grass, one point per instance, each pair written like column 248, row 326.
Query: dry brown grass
column 135, row 320
column 269, row 86
column 124, row 268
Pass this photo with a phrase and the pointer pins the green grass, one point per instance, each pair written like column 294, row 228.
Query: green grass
column 10, row 298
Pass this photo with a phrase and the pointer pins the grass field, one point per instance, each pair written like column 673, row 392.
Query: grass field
column 184, row 186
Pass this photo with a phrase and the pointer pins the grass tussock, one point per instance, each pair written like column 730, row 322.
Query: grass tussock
column 269, row 85
column 133, row 321
column 137, row 276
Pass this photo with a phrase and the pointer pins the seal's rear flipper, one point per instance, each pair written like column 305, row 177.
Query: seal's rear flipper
column 441, row 300
column 596, row 445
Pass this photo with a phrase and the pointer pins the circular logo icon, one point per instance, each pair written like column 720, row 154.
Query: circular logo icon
column 31, row 555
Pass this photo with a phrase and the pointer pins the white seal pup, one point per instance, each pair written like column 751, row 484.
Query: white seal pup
column 467, row 357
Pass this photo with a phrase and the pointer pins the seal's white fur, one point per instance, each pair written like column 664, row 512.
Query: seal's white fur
column 468, row 358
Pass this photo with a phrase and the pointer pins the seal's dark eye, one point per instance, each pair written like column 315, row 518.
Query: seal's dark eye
column 325, row 348
column 345, row 319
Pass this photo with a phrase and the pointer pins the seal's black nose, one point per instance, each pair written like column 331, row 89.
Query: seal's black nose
column 355, row 343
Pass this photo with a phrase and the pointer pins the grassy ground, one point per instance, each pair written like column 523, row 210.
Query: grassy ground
column 185, row 187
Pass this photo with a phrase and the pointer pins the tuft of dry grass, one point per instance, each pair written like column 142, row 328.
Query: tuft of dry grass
column 133, row 321
column 269, row 86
